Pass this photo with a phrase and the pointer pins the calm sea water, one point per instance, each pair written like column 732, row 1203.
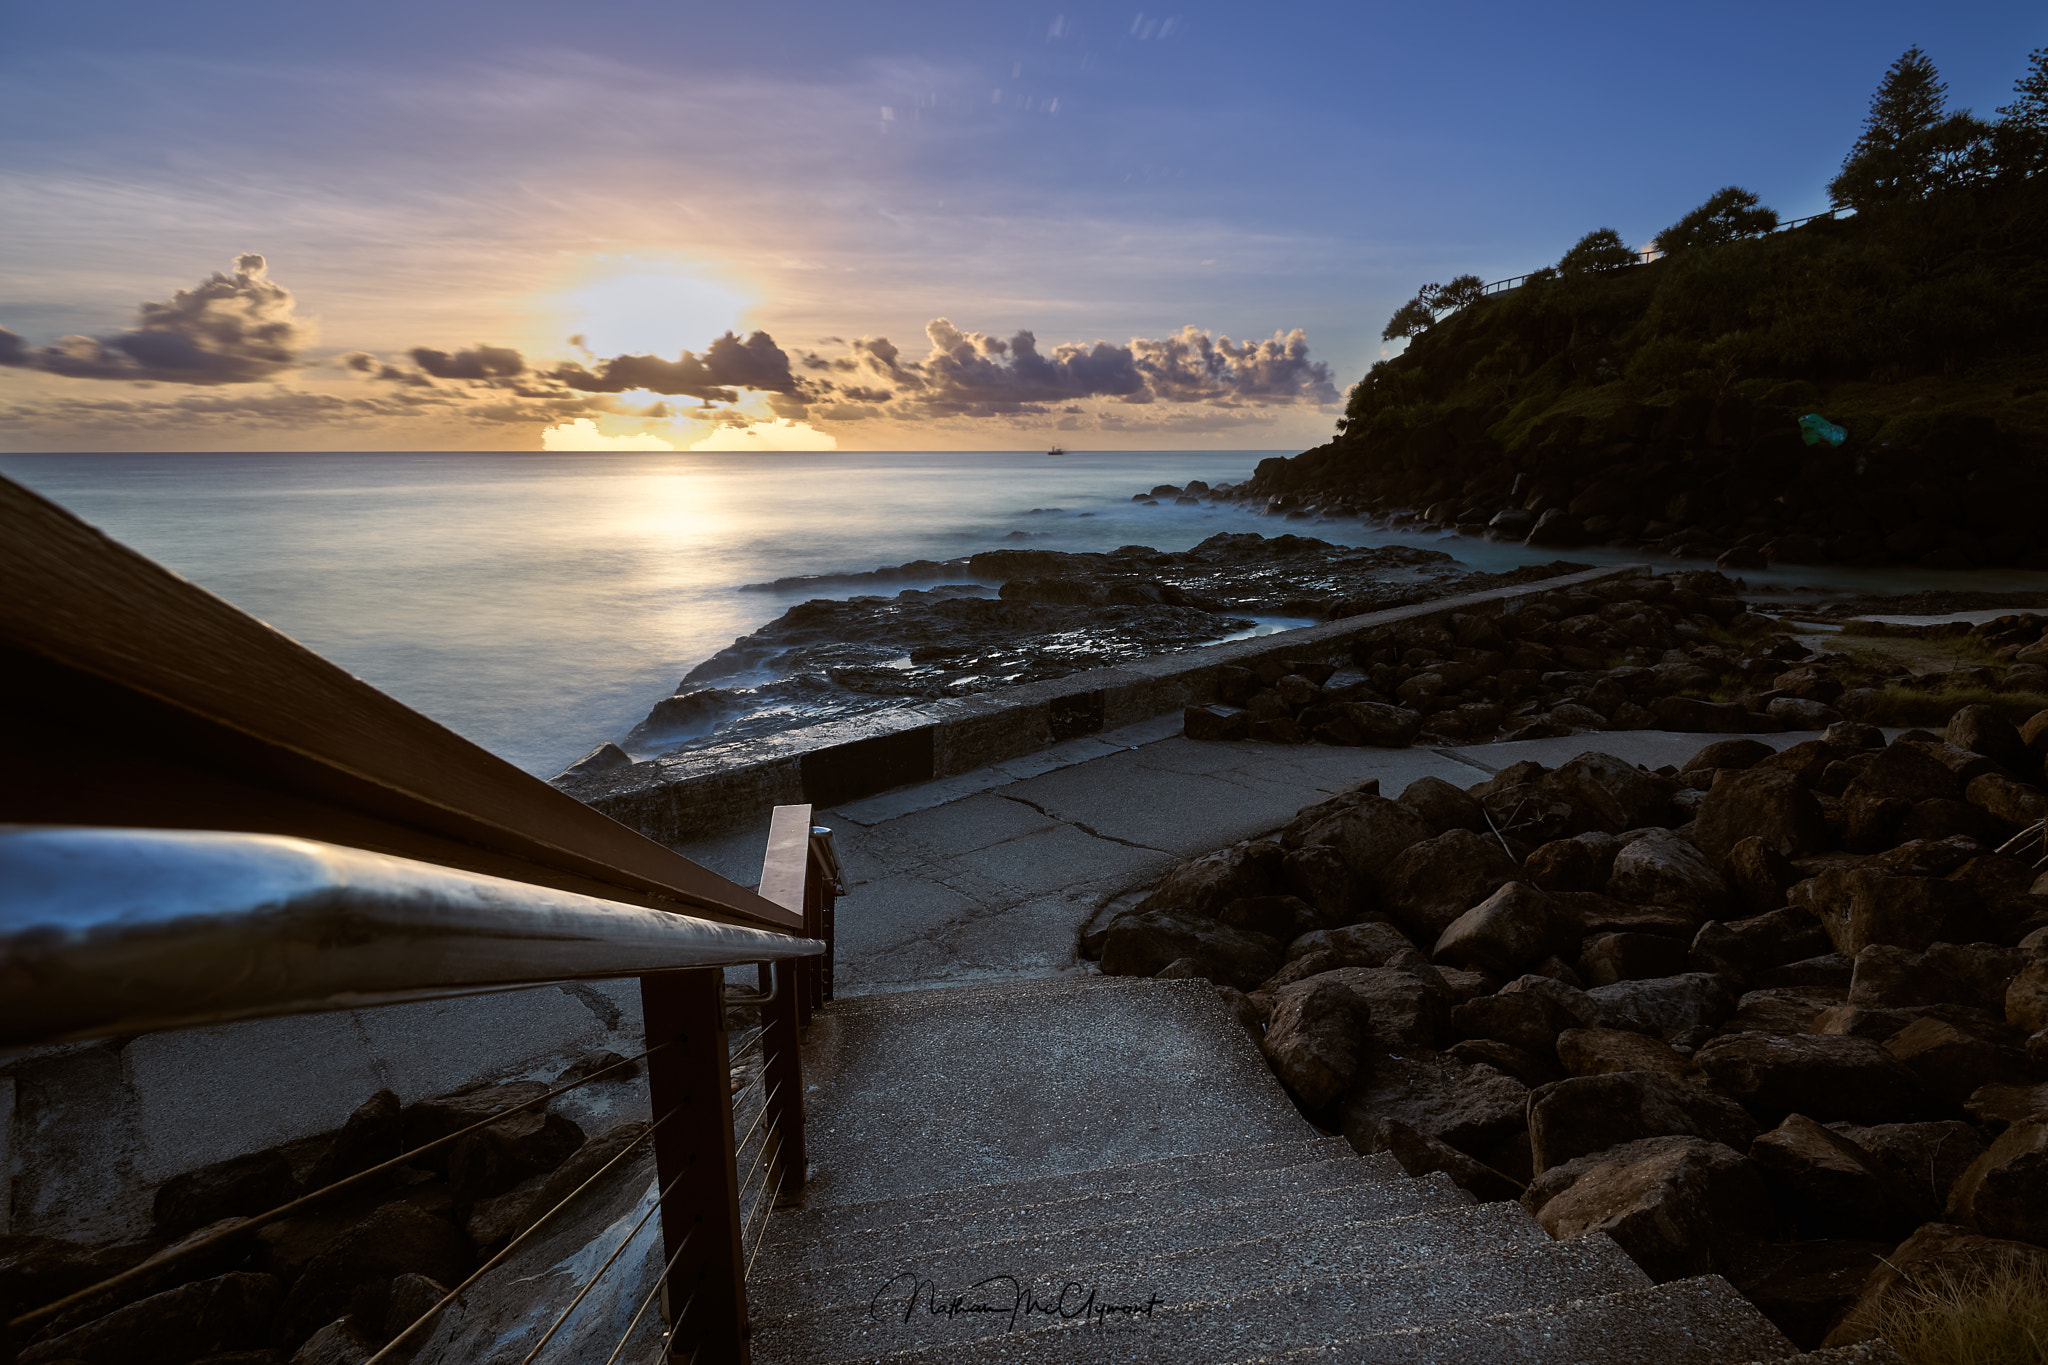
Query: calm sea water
column 540, row 603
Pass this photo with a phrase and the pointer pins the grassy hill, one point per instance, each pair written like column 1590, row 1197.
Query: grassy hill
column 1659, row 404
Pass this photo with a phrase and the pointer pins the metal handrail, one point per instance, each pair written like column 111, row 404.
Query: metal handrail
column 108, row 932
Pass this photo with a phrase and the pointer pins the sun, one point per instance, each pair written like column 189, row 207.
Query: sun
column 627, row 305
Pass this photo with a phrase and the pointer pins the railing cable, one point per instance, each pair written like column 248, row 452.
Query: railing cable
column 514, row 1244
column 652, row 1295
column 590, row 1284
column 247, row 1225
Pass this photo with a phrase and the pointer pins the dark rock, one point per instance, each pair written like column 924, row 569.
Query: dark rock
column 1444, row 806
column 1216, row 722
column 2009, row 804
column 1859, row 906
column 1729, row 753
column 373, row 1135
column 1410, row 1008
column 1765, row 803
column 1952, row 1063
column 1435, row 880
column 1742, row 948
column 226, row 1313
column 1663, row 868
column 1778, row 1010
column 1831, row 1187
column 1939, row 1259
column 1928, row 1158
column 606, row 757
column 1982, row 730
column 1803, row 1287
column 1758, row 873
column 1598, row 1051
column 2026, row 997
column 1370, row 834
column 1581, row 863
column 1900, row 770
column 1687, row 715
column 526, row 1142
column 1280, row 918
column 1515, row 926
column 395, row 1240
column 1798, row 713
column 1675, row 1204
column 1609, row 794
column 1524, row 1066
column 1470, row 1108
column 1977, row 974
column 1319, row 875
column 1585, row 1114
column 1671, row 1007
column 1828, row 971
column 1381, row 726
column 1607, row 958
column 239, row 1187
column 1371, row 944
column 1318, row 1038
column 1141, row 944
column 1824, row 1076
column 338, row 1343
column 1421, row 1153
column 1871, row 823
column 1203, row 886
column 1807, row 761
column 2003, row 1102
column 1944, row 819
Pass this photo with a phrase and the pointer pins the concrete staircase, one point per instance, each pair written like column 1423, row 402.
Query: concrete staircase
column 1099, row 1169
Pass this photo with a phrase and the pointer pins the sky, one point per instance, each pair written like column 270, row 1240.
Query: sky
column 788, row 224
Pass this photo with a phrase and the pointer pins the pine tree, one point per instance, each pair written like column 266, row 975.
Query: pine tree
column 1894, row 158
column 2021, row 133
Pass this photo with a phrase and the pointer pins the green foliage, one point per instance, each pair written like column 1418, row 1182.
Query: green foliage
column 1912, row 145
column 1419, row 314
column 1460, row 292
column 1412, row 318
column 1599, row 250
column 1728, row 214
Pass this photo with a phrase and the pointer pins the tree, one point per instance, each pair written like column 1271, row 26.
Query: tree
column 2021, row 133
column 1600, row 249
column 1728, row 214
column 1911, row 145
column 1419, row 314
column 1464, row 290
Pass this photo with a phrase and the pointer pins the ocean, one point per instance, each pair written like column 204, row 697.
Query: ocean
column 539, row 604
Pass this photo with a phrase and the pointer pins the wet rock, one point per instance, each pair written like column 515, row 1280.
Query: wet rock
column 1513, row 927
column 1203, row 886
column 1662, row 868
column 1586, row 1114
column 1826, row 1077
column 1598, row 1051
column 1470, row 1108
column 1831, row 1187
column 1764, row 803
column 229, row 1312
column 396, row 1239
column 1859, row 906
column 1671, row 1008
column 1675, row 1204
column 1434, row 881
column 1803, row 1287
column 1142, row 943
column 1938, row 1257
column 605, row 758
column 1607, row 958
column 1928, row 1157
column 1444, row 806
column 1611, row 795
column 239, row 1187
column 1318, row 1038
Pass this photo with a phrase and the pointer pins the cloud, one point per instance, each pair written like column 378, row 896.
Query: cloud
column 582, row 434
column 485, row 362
column 779, row 434
column 230, row 329
column 727, row 365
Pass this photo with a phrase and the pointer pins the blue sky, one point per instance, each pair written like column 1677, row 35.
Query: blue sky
column 646, row 177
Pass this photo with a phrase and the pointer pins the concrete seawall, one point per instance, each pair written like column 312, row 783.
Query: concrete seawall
column 678, row 799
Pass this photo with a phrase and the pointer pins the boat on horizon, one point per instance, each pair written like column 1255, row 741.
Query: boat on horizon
column 1057, row 450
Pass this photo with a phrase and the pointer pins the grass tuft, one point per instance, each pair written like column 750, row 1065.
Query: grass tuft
column 1897, row 705
column 1993, row 1315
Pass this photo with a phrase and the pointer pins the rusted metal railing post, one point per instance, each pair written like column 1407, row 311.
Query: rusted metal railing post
column 695, row 1163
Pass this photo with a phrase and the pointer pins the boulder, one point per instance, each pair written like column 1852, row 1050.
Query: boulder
column 239, row 1187
column 1830, row 1187
column 1675, row 1204
column 1742, row 948
column 1758, row 874
column 1319, row 875
column 1203, row 886
column 1607, row 958
column 1318, row 1038
column 338, row 1343
column 1410, row 1007
column 1216, row 723
column 1952, row 1063
column 1524, row 1020
column 1826, row 972
column 1728, row 753
column 373, row 1134
column 1778, row 1009
column 1807, row 761
column 1280, row 918
column 2026, row 996
column 1472, row 1108
column 1902, row 771
column 1764, row 803
column 1142, row 943
column 1824, row 1076
column 1370, row 834
column 1982, row 730
column 1662, row 868
column 229, row 1312
column 1515, row 926
column 1370, row 944
column 1671, row 1008
column 2005, row 1191
column 1944, row 819
column 1927, row 1158
column 394, row 1240
column 1420, row 1154
column 1444, row 806
column 1940, row 1259
column 1435, row 880
column 1859, row 906
column 1506, row 1058
column 2006, row 1102
column 1689, row 715
column 1801, row 713
column 2012, row 804
column 1975, row 974
column 1584, row 1114
column 1610, row 794
column 1804, row 1287
column 1598, row 1051
column 1581, row 863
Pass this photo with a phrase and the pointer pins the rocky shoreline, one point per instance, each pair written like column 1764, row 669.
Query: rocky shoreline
column 1777, row 1014
column 1008, row 617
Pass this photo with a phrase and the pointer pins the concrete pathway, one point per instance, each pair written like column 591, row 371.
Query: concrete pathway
column 988, row 876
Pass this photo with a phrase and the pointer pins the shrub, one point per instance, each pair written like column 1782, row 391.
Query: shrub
column 1996, row 1316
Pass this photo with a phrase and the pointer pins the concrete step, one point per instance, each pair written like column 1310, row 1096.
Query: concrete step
column 1039, row 986
column 972, row 1087
column 1687, row 1322
column 869, row 1238
column 1176, row 1259
column 800, row 1224
column 1193, row 1325
column 1876, row 1352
